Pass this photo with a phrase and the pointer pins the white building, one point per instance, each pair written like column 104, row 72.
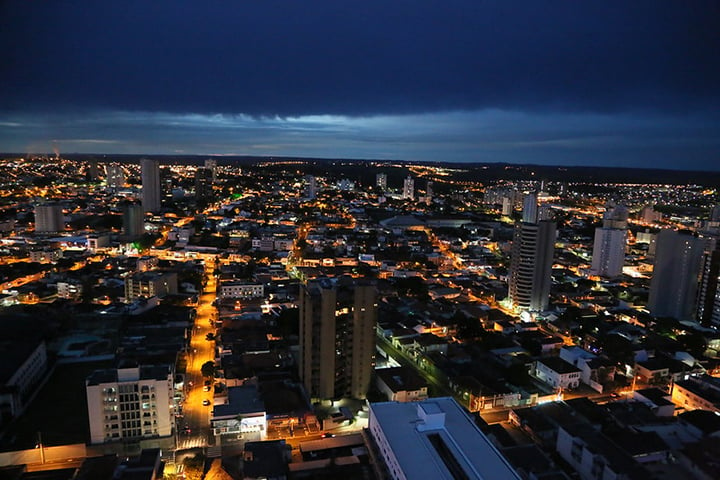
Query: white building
column 557, row 373
column 381, row 181
column 239, row 289
column 243, row 416
column 436, row 439
column 408, row 189
column 401, row 384
column 24, row 364
column 69, row 289
column 130, row 403
column 610, row 243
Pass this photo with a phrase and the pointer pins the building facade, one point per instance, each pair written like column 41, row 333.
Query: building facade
column 150, row 284
column 239, row 289
column 337, row 337
column 707, row 311
column 610, row 243
column 49, row 218
column 408, row 189
column 531, row 265
column 435, row 439
column 674, row 283
column 130, row 403
column 151, row 192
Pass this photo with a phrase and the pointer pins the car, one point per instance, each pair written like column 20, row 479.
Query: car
column 206, row 402
column 327, row 435
column 206, row 388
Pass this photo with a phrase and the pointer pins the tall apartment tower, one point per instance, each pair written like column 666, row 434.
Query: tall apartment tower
column 49, row 218
column 674, row 283
column 381, row 181
column 310, row 187
column 337, row 337
column 130, row 403
column 203, row 184
column 211, row 164
column 610, row 243
column 531, row 262
column 115, row 176
column 707, row 311
column 150, row 171
column 530, row 208
column 133, row 220
column 408, row 188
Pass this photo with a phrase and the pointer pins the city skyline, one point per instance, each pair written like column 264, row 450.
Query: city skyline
column 590, row 84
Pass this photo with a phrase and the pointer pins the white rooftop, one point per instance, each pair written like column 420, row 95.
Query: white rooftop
column 430, row 439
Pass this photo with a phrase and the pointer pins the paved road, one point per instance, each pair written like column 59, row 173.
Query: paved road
column 197, row 415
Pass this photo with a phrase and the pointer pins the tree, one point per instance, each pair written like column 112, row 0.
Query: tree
column 208, row 369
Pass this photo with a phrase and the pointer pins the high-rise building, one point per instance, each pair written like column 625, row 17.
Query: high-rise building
column 115, row 176
column 49, row 218
column 715, row 214
column 429, row 190
column 674, row 283
column 150, row 171
column 530, row 208
column 337, row 337
column 531, row 260
column 211, row 164
column 435, row 438
column 130, row 403
column 707, row 311
column 310, row 187
column 203, row 184
column 408, row 189
column 531, row 265
column 381, row 181
column 610, row 243
column 133, row 220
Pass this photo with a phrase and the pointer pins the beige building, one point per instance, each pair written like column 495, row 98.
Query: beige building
column 130, row 403
column 150, row 284
column 697, row 393
column 337, row 337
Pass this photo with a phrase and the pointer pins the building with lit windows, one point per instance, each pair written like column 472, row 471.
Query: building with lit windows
column 408, row 189
column 150, row 284
column 531, row 265
column 337, row 337
column 130, row 403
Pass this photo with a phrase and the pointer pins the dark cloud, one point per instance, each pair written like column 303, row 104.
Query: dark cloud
column 357, row 58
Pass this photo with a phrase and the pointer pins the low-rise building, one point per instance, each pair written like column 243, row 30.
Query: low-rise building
column 243, row 415
column 435, row 438
column 557, row 373
column 240, row 289
column 697, row 393
column 401, row 384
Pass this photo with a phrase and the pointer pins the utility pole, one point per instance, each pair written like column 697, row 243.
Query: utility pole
column 42, row 448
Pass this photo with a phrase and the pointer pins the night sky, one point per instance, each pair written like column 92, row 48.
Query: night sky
column 615, row 83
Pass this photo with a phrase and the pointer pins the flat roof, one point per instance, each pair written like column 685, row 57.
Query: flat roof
column 436, row 449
